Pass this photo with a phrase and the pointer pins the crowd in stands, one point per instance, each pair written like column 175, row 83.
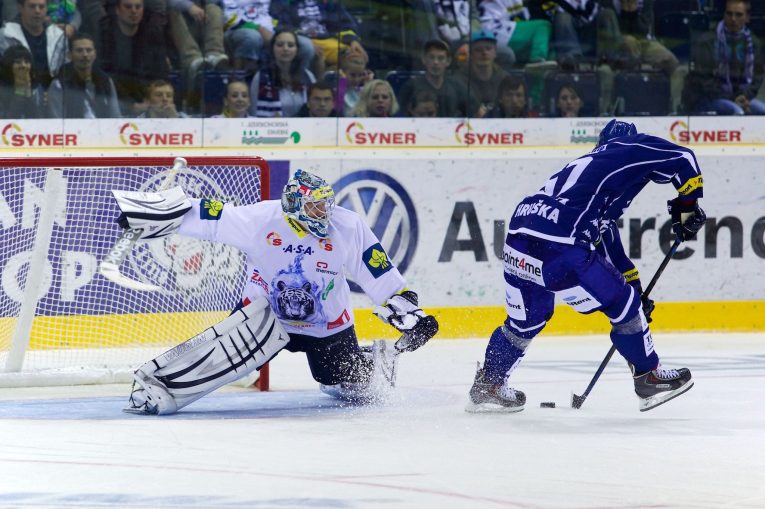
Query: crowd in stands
column 380, row 58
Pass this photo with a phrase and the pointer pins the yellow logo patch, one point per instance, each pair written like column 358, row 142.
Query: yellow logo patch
column 213, row 207
column 379, row 259
column 691, row 185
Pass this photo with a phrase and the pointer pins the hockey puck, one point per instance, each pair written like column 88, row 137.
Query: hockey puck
column 547, row 404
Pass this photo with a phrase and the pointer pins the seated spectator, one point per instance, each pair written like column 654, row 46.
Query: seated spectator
column 512, row 99
column 582, row 29
column 452, row 96
column 352, row 76
column 727, row 67
column 328, row 25
column 423, row 103
column 568, row 102
column 133, row 53
column 639, row 46
column 161, row 98
column 196, row 27
column 80, row 91
column 236, row 103
column 280, row 88
column 249, row 29
column 513, row 27
column 47, row 43
column 20, row 96
column 376, row 100
column 482, row 73
column 65, row 15
column 321, row 99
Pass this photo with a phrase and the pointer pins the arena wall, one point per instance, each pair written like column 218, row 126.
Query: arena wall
column 439, row 191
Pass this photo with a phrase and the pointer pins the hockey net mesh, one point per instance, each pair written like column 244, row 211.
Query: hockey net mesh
column 86, row 328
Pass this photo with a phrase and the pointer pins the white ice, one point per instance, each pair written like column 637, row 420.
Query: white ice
column 297, row 448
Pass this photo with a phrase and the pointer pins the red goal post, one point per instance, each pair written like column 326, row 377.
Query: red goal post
column 63, row 323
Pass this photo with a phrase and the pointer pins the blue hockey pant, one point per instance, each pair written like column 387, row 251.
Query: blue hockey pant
column 535, row 272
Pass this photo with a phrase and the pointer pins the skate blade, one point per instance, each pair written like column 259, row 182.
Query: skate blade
column 491, row 408
column 654, row 401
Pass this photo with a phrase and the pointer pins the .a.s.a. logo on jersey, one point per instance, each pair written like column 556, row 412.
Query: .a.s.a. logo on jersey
column 386, row 207
column 182, row 266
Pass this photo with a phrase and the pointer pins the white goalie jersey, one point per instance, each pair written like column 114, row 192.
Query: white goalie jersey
column 303, row 277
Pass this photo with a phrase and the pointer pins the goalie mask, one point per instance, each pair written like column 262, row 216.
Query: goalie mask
column 616, row 129
column 309, row 200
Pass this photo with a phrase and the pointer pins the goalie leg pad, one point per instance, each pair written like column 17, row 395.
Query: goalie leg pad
column 223, row 353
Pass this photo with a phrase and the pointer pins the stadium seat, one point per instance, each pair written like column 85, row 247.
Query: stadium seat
column 639, row 93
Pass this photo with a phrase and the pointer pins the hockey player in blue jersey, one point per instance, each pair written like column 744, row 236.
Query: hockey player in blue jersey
column 564, row 240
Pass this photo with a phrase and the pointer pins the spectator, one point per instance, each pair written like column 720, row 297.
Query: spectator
column 65, row 15
column 133, row 53
column 726, row 70
column 377, row 100
column 280, row 88
column 161, row 101
column 639, row 45
column 423, row 103
column 513, row 27
column 195, row 22
column 329, row 27
column 452, row 96
column 482, row 76
column 568, row 102
column 249, row 29
column 236, row 103
column 320, row 101
column 20, row 96
column 80, row 91
column 582, row 29
column 47, row 44
column 512, row 99
column 94, row 14
column 352, row 76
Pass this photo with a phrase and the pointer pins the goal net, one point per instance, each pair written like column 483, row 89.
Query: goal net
column 61, row 321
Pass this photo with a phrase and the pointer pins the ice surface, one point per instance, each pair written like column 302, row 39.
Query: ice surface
column 297, row 448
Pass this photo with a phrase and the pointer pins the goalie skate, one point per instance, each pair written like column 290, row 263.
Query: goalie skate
column 661, row 385
column 381, row 381
column 486, row 397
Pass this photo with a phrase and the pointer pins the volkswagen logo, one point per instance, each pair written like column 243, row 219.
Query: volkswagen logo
column 387, row 209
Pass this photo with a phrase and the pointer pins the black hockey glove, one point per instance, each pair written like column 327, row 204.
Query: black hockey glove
column 402, row 312
column 645, row 300
column 687, row 217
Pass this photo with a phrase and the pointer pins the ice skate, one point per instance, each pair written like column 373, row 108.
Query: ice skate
column 661, row 385
column 382, row 379
column 487, row 397
column 139, row 402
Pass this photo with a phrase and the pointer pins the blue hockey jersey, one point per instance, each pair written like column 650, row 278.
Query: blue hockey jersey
column 601, row 185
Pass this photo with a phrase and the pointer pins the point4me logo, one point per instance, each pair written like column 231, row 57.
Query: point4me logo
column 680, row 133
column 132, row 136
column 465, row 135
column 388, row 210
column 14, row 136
column 357, row 135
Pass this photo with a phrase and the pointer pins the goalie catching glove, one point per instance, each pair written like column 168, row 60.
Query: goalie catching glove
column 156, row 214
column 403, row 313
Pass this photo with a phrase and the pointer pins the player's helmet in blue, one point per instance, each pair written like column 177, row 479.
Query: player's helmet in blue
column 616, row 129
column 309, row 200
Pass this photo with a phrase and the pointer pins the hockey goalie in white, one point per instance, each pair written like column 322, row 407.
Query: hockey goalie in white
column 296, row 298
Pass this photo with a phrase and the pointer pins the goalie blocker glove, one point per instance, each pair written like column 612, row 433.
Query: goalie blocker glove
column 155, row 214
column 403, row 313
column 687, row 217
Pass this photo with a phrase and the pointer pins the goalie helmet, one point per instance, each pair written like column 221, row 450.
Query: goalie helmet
column 616, row 129
column 309, row 200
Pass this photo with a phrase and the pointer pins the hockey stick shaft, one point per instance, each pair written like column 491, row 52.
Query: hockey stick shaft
column 578, row 401
column 109, row 267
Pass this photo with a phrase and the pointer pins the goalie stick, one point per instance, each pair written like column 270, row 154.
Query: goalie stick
column 110, row 266
column 576, row 400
